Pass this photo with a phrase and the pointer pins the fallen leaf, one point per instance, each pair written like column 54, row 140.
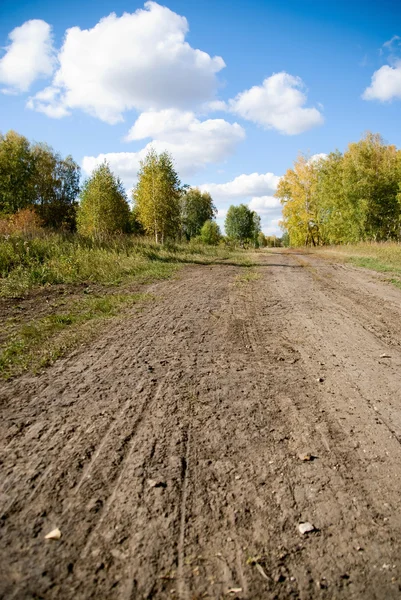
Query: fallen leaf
column 55, row 534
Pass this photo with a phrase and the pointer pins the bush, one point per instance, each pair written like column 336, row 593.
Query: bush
column 210, row 233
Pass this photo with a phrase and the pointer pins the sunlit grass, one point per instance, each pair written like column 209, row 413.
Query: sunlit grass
column 97, row 276
column 52, row 259
column 39, row 342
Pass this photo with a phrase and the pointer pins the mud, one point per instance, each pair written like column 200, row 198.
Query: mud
column 167, row 453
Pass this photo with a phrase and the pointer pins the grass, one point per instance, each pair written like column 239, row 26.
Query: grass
column 53, row 259
column 247, row 277
column 384, row 257
column 95, row 278
column 39, row 342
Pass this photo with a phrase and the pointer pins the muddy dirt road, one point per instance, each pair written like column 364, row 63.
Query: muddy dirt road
column 168, row 452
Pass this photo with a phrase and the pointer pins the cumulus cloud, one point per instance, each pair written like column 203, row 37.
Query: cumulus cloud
column 243, row 187
column 193, row 143
column 29, row 56
column 317, row 157
column 137, row 61
column 385, row 84
column 256, row 190
column 277, row 104
column 265, row 205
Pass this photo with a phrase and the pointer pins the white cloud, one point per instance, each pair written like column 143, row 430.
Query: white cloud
column 48, row 102
column 277, row 104
column 137, row 61
column 317, row 157
column 124, row 165
column 192, row 143
column 385, row 84
column 269, row 209
column 243, row 186
column 265, row 204
column 29, row 56
column 256, row 190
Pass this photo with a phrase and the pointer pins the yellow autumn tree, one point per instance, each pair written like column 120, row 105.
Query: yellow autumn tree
column 297, row 193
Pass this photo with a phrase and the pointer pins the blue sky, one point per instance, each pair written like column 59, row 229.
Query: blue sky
column 273, row 78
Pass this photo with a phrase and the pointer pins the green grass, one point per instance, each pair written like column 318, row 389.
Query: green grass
column 382, row 257
column 369, row 262
column 97, row 278
column 53, row 259
column 40, row 342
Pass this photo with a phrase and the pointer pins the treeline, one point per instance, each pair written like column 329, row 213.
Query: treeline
column 39, row 188
column 35, row 176
column 343, row 198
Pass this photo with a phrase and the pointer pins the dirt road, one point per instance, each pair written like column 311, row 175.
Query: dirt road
column 168, row 452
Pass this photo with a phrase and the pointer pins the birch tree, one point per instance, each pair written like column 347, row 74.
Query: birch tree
column 103, row 208
column 156, row 196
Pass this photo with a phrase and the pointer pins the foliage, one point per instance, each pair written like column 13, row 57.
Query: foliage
column 297, row 192
column 48, row 258
column 210, row 233
column 273, row 242
column 344, row 198
column 256, row 228
column 56, row 186
column 16, row 173
column 196, row 209
column 35, row 175
column 262, row 242
column 240, row 224
column 25, row 221
column 157, row 196
column 103, row 208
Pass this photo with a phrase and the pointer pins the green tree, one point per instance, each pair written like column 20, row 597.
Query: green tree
column 239, row 224
column 16, row 173
column 371, row 184
column 210, row 233
column 157, row 196
column 103, row 208
column 56, row 187
column 196, row 208
column 262, row 240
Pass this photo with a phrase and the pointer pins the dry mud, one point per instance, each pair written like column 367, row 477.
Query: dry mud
column 168, row 452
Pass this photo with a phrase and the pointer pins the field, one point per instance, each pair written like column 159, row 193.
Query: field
column 222, row 400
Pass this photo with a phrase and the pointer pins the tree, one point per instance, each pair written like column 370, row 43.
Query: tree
column 239, row 223
column 256, row 229
column 157, row 196
column 262, row 241
column 210, row 233
column 339, row 214
column 16, row 173
column 371, row 182
column 56, row 187
column 103, row 208
column 297, row 192
column 35, row 175
column 196, row 208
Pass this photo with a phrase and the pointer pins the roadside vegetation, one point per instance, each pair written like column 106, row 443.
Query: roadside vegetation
column 74, row 256
column 383, row 257
column 344, row 198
